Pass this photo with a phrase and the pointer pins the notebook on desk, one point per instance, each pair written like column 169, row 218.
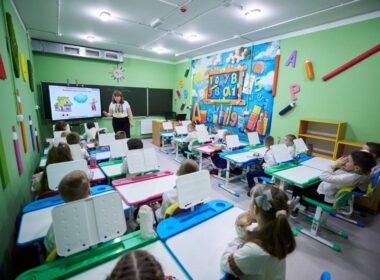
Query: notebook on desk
column 318, row 163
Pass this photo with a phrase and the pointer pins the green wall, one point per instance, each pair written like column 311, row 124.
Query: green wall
column 14, row 195
column 353, row 96
column 139, row 73
column 179, row 75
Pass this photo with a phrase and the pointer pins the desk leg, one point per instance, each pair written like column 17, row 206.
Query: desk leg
column 200, row 161
column 176, row 152
column 282, row 185
column 227, row 173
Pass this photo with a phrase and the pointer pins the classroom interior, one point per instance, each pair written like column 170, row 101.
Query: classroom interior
column 166, row 47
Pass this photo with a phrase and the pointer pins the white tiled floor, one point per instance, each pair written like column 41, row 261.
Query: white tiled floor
column 360, row 254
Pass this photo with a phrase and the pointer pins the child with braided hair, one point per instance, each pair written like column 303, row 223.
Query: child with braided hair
column 264, row 238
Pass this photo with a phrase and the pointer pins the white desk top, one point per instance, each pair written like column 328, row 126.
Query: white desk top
column 140, row 191
column 200, row 248
column 299, row 175
column 35, row 224
column 112, row 170
column 318, row 163
column 204, row 149
column 157, row 249
column 97, row 174
column 103, row 155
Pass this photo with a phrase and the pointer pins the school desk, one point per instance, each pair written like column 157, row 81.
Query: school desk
column 140, row 190
column 203, row 149
column 101, row 154
column 298, row 175
column 178, row 141
column 36, row 218
column 165, row 136
column 317, row 163
column 97, row 175
column 197, row 239
column 98, row 263
column 244, row 157
column 112, row 169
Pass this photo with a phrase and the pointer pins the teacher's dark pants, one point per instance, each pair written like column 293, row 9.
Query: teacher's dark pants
column 121, row 124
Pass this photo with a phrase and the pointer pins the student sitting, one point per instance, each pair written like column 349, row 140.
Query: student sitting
column 133, row 144
column 89, row 135
column 138, row 265
column 219, row 162
column 374, row 149
column 56, row 154
column 120, row 135
column 261, row 249
column 190, row 138
column 169, row 199
column 73, row 138
column 352, row 170
column 74, row 186
column 289, row 142
column 268, row 161
column 60, row 126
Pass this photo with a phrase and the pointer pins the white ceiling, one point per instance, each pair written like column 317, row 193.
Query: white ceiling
column 220, row 24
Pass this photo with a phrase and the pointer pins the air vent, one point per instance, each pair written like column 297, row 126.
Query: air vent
column 65, row 49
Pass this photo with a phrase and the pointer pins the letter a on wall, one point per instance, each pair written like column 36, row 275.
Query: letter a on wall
column 196, row 117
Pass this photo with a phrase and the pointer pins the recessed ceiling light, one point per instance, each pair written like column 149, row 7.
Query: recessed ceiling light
column 192, row 37
column 160, row 50
column 90, row 38
column 105, row 16
column 251, row 13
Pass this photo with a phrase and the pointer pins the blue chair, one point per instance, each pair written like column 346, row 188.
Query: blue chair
column 326, row 275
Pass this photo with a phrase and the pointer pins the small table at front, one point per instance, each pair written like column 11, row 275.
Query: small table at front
column 98, row 263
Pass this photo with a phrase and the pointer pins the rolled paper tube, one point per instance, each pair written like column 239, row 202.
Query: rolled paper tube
column 187, row 72
column 221, row 101
column 37, row 142
column 22, row 126
column 276, row 68
column 32, row 133
column 4, row 174
column 309, row 69
column 178, row 93
column 183, row 106
column 352, row 62
column 17, row 151
column 287, row 109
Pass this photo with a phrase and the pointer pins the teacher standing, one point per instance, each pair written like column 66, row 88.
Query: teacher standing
column 121, row 113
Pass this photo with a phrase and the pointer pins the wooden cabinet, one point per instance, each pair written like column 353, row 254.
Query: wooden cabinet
column 156, row 129
column 322, row 135
column 345, row 147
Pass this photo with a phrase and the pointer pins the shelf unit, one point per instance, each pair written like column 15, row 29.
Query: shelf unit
column 323, row 135
column 345, row 147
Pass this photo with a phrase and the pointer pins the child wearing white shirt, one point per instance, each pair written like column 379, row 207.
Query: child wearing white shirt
column 267, row 162
column 264, row 238
column 289, row 142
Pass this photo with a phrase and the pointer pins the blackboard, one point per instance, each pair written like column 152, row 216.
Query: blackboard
column 136, row 97
column 160, row 101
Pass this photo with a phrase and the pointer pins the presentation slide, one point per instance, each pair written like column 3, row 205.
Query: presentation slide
column 74, row 102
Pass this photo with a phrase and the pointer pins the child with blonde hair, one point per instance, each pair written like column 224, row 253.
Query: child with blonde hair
column 260, row 250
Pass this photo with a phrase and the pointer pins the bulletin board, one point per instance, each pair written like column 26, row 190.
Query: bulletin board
column 234, row 89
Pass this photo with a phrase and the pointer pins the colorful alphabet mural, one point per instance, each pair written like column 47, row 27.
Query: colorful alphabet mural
column 234, row 89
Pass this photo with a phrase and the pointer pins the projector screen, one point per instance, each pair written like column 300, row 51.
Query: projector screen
column 67, row 103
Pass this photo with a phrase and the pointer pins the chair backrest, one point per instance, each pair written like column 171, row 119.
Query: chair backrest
column 167, row 125
column 181, row 130
column 375, row 180
column 281, row 153
column 56, row 171
column 232, row 141
column 253, row 138
column 193, row 188
column 105, row 139
column 300, row 146
column 76, row 151
column 80, row 224
column 118, row 148
column 142, row 160
column 203, row 136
